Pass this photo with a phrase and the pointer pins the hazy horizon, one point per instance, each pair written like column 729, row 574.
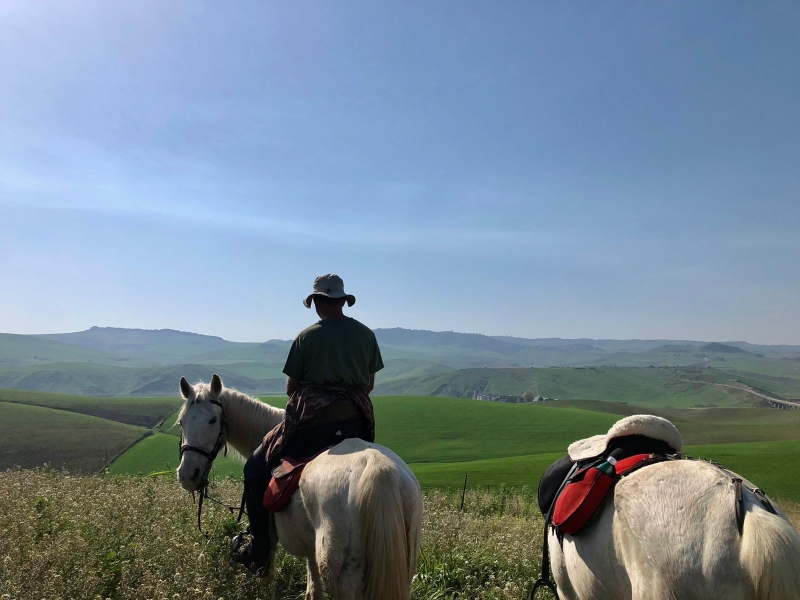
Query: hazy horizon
column 603, row 171
column 288, row 339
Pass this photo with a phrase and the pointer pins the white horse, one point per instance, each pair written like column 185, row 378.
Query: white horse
column 669, row 532
column 357, row 516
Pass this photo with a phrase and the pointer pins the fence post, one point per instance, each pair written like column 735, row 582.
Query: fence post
column 463, row 493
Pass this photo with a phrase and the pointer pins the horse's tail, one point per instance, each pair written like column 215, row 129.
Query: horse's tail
column 383, row 531
column 770, row 553
column 414, row 530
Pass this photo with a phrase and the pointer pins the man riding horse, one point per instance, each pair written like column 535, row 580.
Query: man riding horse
column 331, row 371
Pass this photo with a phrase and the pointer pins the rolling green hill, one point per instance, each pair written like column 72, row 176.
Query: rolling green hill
column 107, row 380
column 451, row 430
column 158, row 453
column 444, row 439
column 112, row 361
column 770, row 465
column 656, row 387
column 162, row 346
column 425, row 430
column 31, row 350
column 31, row 436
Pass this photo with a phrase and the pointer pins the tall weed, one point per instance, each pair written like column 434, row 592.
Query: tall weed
column 64, row 537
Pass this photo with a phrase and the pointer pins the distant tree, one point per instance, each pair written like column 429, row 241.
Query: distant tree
column 527, row 397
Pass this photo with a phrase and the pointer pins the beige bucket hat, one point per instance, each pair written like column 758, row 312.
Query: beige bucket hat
column 329, row 285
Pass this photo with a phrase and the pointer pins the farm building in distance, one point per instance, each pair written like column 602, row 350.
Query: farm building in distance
column 527, row 397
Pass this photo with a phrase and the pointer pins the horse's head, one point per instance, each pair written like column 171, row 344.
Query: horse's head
column 203, row 431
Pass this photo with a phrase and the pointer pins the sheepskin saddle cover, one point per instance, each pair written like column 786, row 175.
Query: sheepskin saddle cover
column 647, row 426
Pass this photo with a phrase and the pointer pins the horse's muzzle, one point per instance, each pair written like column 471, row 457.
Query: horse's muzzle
column 190, row 474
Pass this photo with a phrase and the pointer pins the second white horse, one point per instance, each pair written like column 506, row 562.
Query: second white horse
column 669, row 532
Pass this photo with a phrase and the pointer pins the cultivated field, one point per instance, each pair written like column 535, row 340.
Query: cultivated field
column 31, row 436
column 147, row 412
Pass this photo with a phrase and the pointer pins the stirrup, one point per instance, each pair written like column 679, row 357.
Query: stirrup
column 239, row 540
column 242, row 552
column 544, row 583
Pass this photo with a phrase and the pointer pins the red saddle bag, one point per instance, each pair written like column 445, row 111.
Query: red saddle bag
column 285, row 481
column 583, row 496
column 283, row 484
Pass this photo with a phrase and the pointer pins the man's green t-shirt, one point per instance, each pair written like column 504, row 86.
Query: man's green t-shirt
column 335, row 351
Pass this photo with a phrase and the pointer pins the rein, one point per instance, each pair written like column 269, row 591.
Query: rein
column 202, row 490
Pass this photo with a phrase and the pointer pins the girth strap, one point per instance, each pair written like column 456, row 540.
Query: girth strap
column 546, row 579
column 738, row 484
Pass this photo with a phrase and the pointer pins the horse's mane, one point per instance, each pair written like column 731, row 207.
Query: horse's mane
column 249, row 419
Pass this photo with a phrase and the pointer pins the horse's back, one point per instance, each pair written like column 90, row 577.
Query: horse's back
column 676, row 522
column 364, row 506
column 347, row 460
column 673, row 528
column 331, row 481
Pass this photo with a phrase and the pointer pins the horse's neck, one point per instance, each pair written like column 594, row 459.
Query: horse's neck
column 249, row 420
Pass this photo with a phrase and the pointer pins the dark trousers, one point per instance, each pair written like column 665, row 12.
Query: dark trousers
column 308, row 441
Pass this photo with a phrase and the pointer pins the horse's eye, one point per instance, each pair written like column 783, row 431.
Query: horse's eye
column 212, row 421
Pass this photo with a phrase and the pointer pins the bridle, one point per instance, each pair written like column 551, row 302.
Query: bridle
column 220, row 444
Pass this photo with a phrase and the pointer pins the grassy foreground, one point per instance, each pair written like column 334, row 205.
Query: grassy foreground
column 66, row 537
column 127, row 538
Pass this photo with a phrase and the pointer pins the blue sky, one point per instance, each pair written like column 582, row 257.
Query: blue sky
column 541, row 169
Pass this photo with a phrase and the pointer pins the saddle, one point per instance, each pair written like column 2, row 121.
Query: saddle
column 586, row 490
column 574, row 488
column 285, row 481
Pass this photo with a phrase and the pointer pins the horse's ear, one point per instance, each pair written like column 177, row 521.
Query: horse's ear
column 187, row 391
column 216, row 384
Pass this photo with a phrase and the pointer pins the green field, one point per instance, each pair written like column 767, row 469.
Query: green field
column 158, row 453
column 444, row 439
column 773, row 466
column 452, row 430
column 31, row 436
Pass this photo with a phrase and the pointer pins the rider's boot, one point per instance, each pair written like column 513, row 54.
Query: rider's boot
column 251, row 553
column 254, row 550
